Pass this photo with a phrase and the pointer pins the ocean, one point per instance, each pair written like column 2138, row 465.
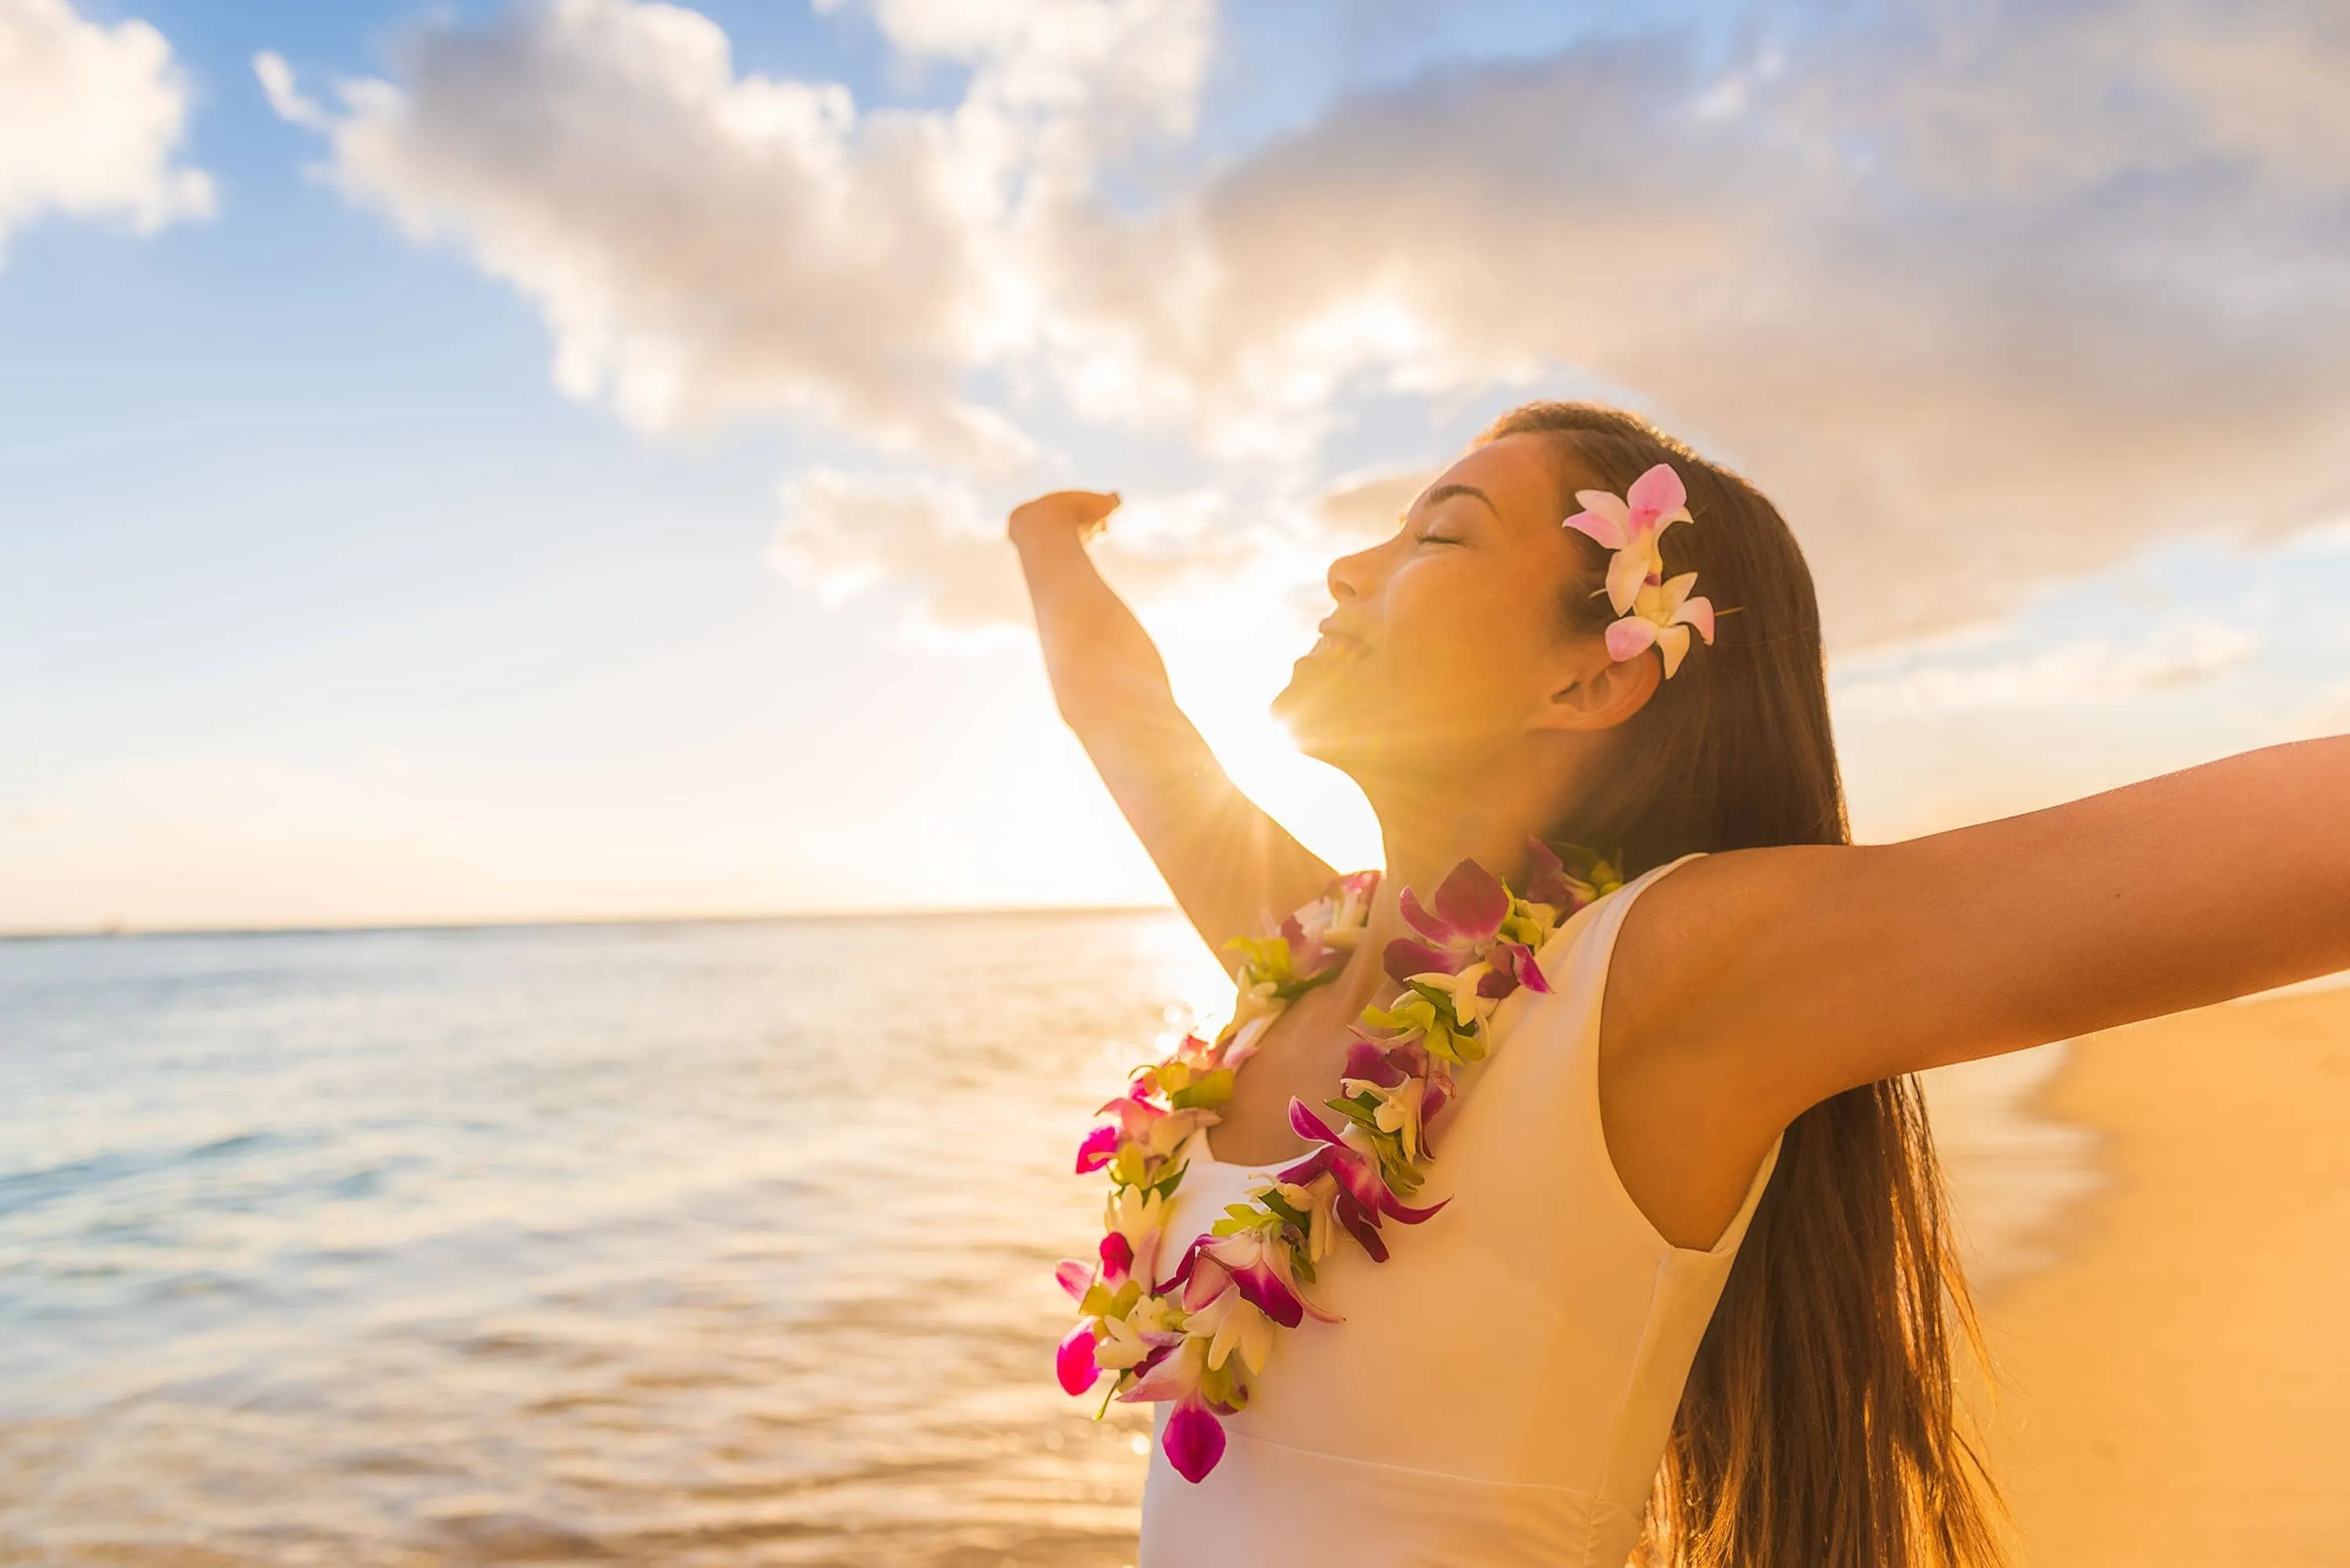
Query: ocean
column 676, row 1243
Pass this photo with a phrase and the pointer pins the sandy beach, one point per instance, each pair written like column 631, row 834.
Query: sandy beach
column 2179, row 1390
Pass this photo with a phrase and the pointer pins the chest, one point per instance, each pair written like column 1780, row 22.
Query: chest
column 1302, row 1056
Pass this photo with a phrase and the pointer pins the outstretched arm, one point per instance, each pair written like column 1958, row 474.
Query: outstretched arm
column 1750, row 986
column 1228, row 863
column 1806, row 971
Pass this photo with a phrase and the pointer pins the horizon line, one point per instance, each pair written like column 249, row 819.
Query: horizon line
column 111, row 928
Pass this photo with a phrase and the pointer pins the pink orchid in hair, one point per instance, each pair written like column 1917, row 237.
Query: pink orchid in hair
column 1663, row 614
column 1651, row 611
column 1631, row 525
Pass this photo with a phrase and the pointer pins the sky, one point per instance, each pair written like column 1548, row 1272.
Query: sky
column 515, row 461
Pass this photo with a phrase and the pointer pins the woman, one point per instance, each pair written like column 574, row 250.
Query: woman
column 1693, row 1267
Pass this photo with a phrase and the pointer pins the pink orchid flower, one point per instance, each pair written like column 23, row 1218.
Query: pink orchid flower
column 1073, row 1359
column 1131, row 1221
column 1259, row 1261
column 1073, row 1362
column 1194, row 1440
column 1631, row 525
column 1407, row 1099
column 1661, row 617
column 1098, row 1148
column 1457, row 949
column 1157, row 1131
column 1548, row 881
column 1386, row 1063
column 1218, row 1312
column 1319, row 1201
column 1131, row 1340
column 1323, row 932
column 1363, row 1197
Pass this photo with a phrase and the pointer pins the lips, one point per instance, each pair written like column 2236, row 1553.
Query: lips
column 1342, row 646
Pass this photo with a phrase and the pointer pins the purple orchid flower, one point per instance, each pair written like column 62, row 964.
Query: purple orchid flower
column 1464, row 929
column 1321, row 934
column 1194, row 1440
column 1253, row 1262
column 1548, row 881
column 1363, row 1193
column 1387, row 1064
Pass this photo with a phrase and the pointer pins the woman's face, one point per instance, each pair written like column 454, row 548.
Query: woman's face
column 1446, row 645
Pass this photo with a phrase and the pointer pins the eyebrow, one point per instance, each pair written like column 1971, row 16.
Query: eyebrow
column 1446, row 491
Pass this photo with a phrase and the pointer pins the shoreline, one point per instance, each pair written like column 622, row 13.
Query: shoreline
column 2171, row 1390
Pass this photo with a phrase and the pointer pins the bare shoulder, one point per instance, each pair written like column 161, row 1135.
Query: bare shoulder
column 1700, row 938
column 1687, row 1095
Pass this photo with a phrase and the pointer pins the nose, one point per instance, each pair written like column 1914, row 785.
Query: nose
column 1348, row 576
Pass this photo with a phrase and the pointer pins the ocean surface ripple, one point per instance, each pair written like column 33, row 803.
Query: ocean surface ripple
column 691, row 1243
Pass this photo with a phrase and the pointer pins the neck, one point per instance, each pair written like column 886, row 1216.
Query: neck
column 1429, row 827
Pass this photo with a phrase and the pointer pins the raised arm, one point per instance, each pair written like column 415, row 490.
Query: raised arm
column 1227, row 862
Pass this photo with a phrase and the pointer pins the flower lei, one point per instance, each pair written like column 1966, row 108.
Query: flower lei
column 1655, row 611
column 1198, row 1337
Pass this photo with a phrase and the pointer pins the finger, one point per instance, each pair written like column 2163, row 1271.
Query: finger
column 1097, row 518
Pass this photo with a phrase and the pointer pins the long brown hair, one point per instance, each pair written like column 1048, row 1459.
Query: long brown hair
column 1821, row 1426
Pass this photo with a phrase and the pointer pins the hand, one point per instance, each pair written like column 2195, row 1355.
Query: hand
column 1083, row 513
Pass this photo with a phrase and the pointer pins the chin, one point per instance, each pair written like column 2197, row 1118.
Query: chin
column 1312, row 711
column 1297, row 706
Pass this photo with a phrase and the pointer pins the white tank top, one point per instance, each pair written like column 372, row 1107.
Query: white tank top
column 1502, row 1387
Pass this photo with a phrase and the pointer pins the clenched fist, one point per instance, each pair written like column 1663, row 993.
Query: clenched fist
column 1079, row 511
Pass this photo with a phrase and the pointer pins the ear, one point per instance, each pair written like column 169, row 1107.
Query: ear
column 1590, row 691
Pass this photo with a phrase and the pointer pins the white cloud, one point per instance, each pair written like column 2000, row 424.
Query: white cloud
column 1981, row 295
column 705, row 244
column 286, row 99
column 2079, row 672
column 1124, row 64
column 2326, row 713
column 842, row 533
column 702, row 243
column 90, row 121
column 1362, row 508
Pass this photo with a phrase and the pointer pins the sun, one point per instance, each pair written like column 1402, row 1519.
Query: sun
column 1226, row 666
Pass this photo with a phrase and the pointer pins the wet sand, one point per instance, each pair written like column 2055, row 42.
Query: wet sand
column 2178, row 1392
